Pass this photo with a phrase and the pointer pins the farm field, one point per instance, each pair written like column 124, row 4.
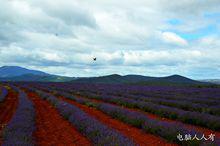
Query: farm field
column 33, row 113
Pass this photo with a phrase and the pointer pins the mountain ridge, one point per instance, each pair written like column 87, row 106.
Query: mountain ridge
column 16, row 73
column 139, row 79
column 13, row 71
column 214, row 81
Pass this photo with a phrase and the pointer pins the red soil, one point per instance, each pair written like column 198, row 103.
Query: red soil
column 52, row 128
column 138, row 136
column 7, row 110
column 197, row 128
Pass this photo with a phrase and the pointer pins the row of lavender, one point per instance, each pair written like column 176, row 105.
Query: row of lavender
column 195, row 95
column 20, row 129
column 180, row 93
column 194, row 103
column 185, row 105
column 167, row 130
column 97, row 132
column 196, row 118
column 148, row 94
column 3, row 94
column 209, row 106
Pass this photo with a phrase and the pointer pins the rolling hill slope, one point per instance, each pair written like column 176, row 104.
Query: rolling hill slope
column 138, row 79
column 15, row 73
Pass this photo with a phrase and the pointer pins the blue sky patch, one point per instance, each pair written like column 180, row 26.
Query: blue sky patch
column 174, row 21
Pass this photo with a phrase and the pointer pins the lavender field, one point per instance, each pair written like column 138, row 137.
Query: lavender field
column 169, row 115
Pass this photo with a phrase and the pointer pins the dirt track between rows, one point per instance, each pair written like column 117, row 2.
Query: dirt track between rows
column 52, row 128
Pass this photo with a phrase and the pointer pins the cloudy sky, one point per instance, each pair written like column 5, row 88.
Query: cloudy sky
column 148, row 37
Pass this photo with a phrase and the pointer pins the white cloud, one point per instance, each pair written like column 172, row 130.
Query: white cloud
column 173, row 38
column 127, row 37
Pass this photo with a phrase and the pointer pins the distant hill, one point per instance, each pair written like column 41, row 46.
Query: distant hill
column 112, row 79
column 13, row 71
column 138, row 79
column 16, row 73
column 37, row 78
column 214, row 81
column 175, row 79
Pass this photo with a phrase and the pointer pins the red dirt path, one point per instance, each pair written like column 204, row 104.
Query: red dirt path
column 7, row 110
column 52, row 128
column 139, row 137
column 204, row 130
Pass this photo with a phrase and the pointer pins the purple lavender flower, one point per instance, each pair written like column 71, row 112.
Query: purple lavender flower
column 99, row 133
column 22, row 125
column 3, row 94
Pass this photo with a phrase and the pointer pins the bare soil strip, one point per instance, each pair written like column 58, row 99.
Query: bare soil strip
column 52, row 128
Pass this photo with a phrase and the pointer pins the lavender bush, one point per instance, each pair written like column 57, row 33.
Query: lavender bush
column 97, row 132
column 163, row 129
column 22, row 125
column 191, row 117
column 167, row 130
column 191, row 94
column 201, row 105
column 92, row 128
column 185, row 105
column 3, row 94
column 196, row 118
